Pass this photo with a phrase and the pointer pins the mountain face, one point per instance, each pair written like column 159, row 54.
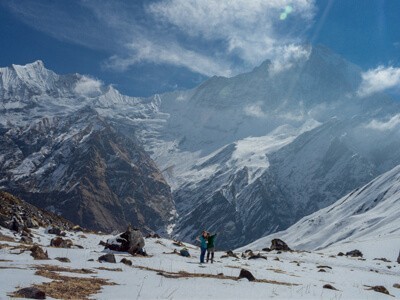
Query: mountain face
column 70, row 160
column 244, row 156
column 370, row 212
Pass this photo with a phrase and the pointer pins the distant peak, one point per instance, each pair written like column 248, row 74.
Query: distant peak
column 35, row 64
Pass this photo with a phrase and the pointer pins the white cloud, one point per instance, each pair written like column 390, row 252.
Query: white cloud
column 392, row 123
column 88, row 86
column 255, row 110
column 379, row 79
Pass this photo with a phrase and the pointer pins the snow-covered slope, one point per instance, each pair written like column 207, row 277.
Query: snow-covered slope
column 367, row 218
column 166, row 275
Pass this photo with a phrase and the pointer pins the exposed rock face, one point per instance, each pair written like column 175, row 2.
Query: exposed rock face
column 279, row 245
column 83, row 168
column 17, row 215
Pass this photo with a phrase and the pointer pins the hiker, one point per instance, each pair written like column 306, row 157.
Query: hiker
column 210, row 246
column 203, row 245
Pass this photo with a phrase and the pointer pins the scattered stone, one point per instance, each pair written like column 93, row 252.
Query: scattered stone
column 31, row 292
column 26, row 240
column 103, row 243
column 184, row 252
column 277, row 259
column 277, row 244
column 383, row 259
column 396, row 285
column 322, row 270
column 59, row 242
column 256, row 256
column 38, row 253
column 56, row 231
column 354, row 253
column 329, row 287
column 77, row 228
column 324, row 267
column 82, row 236
column 178, row 243
column 266, row 249
column 152, row 236
column 398, row 259
column 126, row 261
column 63, row 259
column 379, row 289
column 340, row 254
column 229, row 253
column 91, row 259
column 246, row 274
column 109, row 257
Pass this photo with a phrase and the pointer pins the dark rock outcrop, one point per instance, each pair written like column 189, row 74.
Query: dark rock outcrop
column 109, row 258
column 38, row 253
column 246, row 274
column 354, row 253
column 380, row 289
column 59, row 242
column 63, row 259
column 126, row 261
column 279, row 245
column 31, row 293
column 130, row 241
column 329, row 287
column 398, row 259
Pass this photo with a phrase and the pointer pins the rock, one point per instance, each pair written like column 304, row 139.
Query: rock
column 184, row 252
column 38, row 253
column 63, row 259
column 324, row 267
column 322, row 270
column 256, row 256
column 126, row 262
column 396, row 285
column 178, row 243
column 91, row 259
column 130, row 241
column 152, row 236
column 246, row 274
column 54, row 230
column 76, row 228
column 110, row 258
column 229, row 253
column 102, row 243
column 266, row 249
column 354, row 253
column 398, row 258
column 383, row 259
column 340, row 254
column 329, row 287
column 277, row 244
column 26, row 240
column 59, row 242
column 31, row 292
column 379, row 289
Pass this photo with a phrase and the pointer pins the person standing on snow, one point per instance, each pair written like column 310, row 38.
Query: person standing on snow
column 210, row 246
column 203, row 245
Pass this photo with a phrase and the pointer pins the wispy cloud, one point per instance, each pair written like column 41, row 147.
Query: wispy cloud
column 379, row 79
column 392, row 123
column 88, row 86
column 209, row 37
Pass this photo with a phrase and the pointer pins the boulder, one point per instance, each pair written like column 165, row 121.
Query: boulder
column 354, row 253
column 56, row 231
column 63, row 259
column 396, row 285
column 26, row 240
column 59, row 242
column 38, row 253
column 130, row 241
column 31, row 292
column 277, row 244
column 379, row 289
column 329, row 287
column 110, row 258
column 398, row 258
column 340, row 254
column 126, row 262
column 246, row 274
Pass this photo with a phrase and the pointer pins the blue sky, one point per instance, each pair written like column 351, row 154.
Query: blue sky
column 145, row 47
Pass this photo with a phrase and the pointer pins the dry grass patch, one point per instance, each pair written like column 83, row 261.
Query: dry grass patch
column 110, row 269
column 51, row 268
column 6, row 238
column 184, row 274
column 66, row 287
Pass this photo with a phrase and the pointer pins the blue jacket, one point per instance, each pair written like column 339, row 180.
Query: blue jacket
column 203, row 242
